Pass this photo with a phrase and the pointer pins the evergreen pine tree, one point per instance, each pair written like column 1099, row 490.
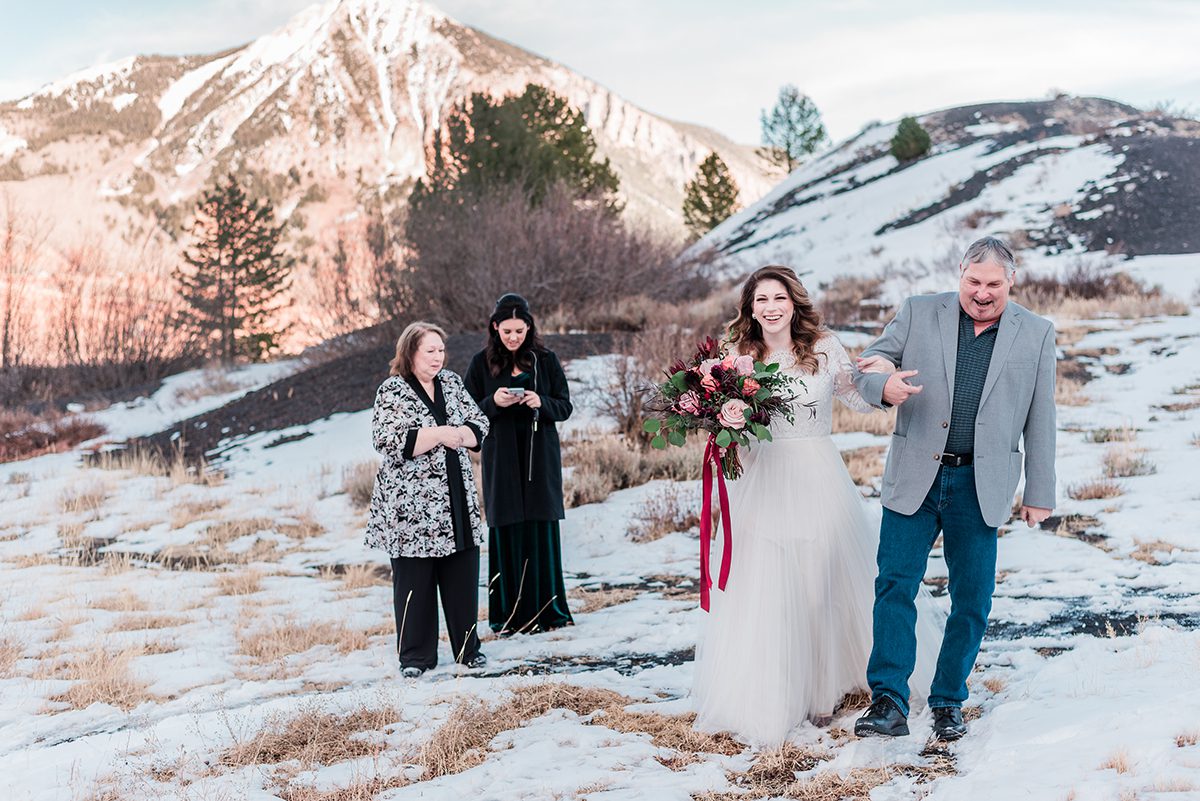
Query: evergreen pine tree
column 792, row 129
column 534, row 139
column 236, row 273
column 911, row 140
column 710, row 197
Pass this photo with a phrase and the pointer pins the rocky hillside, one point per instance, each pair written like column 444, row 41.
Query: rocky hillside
column 1062, row 178
column 339, row 103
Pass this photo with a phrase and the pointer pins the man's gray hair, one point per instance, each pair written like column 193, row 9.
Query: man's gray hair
column 990, row 248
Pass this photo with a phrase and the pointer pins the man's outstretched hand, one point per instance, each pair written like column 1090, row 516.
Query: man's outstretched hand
column 1033, row 515
column 896, row 391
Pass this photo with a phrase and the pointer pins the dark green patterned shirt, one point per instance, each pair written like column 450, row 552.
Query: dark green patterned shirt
column 970, row 373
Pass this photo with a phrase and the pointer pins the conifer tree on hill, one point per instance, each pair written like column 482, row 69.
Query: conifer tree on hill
column 709, row 198
column 235, row 275
column 792, row 129
column 911, row 140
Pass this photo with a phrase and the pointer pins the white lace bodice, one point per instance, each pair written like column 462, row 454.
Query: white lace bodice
column 814, row 400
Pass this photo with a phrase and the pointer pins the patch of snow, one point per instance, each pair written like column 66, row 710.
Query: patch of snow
column 121, row 101
column 10, row 143
column 172, row 100
column 992, row 128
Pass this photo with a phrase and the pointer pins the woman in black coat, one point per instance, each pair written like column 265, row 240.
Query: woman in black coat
column 522, row 389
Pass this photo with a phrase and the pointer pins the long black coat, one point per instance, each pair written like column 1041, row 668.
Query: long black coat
column 509, row 495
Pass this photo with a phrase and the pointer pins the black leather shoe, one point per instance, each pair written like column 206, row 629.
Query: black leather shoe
column 948, row 723
column 883, row 719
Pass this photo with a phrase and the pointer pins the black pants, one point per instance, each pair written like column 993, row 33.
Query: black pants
column 416, row 582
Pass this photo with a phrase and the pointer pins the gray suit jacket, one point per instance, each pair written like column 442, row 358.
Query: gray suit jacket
column 1017, row 400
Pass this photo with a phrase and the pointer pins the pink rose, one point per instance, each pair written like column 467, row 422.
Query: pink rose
column 749, row 387
column 732, row 414
column 744, row 365
column 689, row 402
column 707, row 366
column 728, row 361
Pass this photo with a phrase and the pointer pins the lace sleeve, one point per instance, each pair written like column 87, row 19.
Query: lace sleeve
column 843, row 376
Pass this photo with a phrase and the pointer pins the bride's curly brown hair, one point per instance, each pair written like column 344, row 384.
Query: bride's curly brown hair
column 746, row 334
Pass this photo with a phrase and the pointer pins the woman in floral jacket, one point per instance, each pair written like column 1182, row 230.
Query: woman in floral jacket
column 424, row 510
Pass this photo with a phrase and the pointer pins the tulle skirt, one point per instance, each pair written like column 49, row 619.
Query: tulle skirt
column 791, row 633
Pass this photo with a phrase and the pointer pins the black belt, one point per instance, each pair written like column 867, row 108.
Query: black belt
column 956, row 459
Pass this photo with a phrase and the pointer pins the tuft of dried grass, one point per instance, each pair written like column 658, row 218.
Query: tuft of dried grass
column 147, row 622
column 241, row 582
column 878, row 423
column 104, row 677
column 314, row 737
column 1121, row 434
column 357, row 790
column 1068, row 391
column 865, row 464
column 662, row 513
column 10, row 651
column 995, row 684
column 82, row 499
column 290, row 637
column 1119, row 762
column 1125, row 461
column 358, row 482
column 186, row 513
column 1096, row 489
column 461, row 742
column 173, row 466
column 1187, row 738
column 593, row 600
column 354, row 578
column 124, row 601
column 1147, row 550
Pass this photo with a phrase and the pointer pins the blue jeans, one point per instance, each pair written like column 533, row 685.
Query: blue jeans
column 969, row 544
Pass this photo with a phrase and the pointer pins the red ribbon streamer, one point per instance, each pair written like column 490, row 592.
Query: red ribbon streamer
column 712, row 457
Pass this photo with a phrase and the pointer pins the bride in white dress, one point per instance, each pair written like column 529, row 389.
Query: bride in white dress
column 791, row 633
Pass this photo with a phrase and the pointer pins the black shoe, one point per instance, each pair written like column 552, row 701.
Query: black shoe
column 948, row 723
column 477, row 661
column 411, row 672
column 883, row 719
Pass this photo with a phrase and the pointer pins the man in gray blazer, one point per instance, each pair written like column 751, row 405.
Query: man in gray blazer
column 987, row 368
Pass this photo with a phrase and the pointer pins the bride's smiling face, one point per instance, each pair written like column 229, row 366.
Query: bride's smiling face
column 772, row 307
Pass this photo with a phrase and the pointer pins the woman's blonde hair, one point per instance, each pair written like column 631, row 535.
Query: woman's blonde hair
column 407, row 344
column 745, row 333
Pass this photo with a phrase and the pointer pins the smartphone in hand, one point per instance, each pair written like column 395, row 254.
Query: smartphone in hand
column 518, row 391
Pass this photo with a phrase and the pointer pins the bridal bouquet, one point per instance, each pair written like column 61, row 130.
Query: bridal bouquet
column 732, row 398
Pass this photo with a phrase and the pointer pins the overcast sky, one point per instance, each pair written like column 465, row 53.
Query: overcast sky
column 714, row 62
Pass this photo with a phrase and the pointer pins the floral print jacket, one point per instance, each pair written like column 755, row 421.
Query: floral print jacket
column 410, row 506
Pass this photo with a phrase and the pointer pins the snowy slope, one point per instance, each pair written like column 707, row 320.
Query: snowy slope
column 1083, row 687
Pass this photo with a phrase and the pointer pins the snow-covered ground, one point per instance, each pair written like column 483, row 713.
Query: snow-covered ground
column 1085, row 687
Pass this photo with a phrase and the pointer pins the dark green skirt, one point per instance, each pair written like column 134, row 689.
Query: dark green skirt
column 525, row 578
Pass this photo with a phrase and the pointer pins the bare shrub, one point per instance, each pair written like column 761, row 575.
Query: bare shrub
column 1121, row 434
column 605, row 464
column 103, row 676
column 24, row 435
column 1087, row 291
column 663, row 513
column 1095, row 489
column 21, row 239
column 314, row 737
column 562, row 253
column 1187, row 738
column 1126, row 461
column 358, row 482
column 851, row 300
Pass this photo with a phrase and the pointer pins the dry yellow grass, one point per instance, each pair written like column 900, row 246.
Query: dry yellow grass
column 1172, row 786
column 150, row 621
column 124, row 601
column 103, row 676
column 995, row 684
column 774, row 776
column 354, row 578
column 266, row 645
column 1122, row 306
column 151, row 463
column 1120, row 434
column 358, row 482
column 1147, row 550
column 88, row 497
column 64, row 627
column 239, row 582
column 10, row 652
column 186, row 513
column 1069, row 392
column 1119, row 762
column 607, row 463
column 593, row 600
column 1095, row 489
column 865, row 465
column 359, row 789
column 676, row 732
column 314, row 737
column 1125, row 461
column 845, row 419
